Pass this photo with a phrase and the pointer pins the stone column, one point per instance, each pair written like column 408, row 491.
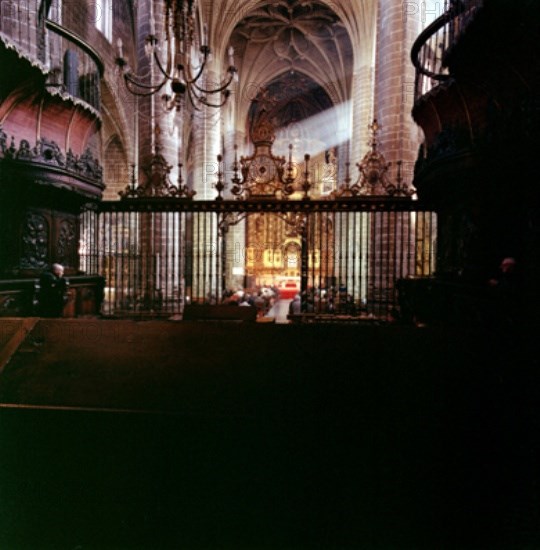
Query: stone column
column 207, row 138
column 160, row 235
column 362, row 113
column 397, row 29
column 353, row 239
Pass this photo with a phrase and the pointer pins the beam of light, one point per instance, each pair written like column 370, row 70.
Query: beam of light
column 316, row 134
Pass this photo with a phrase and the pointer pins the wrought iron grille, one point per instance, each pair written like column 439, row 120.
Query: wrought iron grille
column 344, row 256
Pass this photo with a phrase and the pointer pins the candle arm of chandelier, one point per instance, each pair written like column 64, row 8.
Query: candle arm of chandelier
column 151, row 89
column 204, row 101
column 193, row 99
column 185, row 69
column 166, row 72
column 135, row 80
column 156, row 87
column 225, row 85
column 128, row 74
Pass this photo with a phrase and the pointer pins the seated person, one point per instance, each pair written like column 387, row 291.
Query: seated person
column 295, row 307
column 52, row 292
column 507, row 289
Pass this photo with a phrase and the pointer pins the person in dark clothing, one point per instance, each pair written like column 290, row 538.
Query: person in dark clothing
column 505, row 280
column 506, row 288
column 52, row 292
column 295, row 307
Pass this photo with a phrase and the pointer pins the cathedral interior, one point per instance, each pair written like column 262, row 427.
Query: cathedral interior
column 360, row 175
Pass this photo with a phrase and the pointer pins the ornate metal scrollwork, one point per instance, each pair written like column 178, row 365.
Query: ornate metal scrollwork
column 373, row 179
column 157, row 183
column 296, row 222
column 228, row 219
column 262, row 174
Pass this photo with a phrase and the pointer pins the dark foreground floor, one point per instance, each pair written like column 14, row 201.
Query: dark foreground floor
column 176, row 435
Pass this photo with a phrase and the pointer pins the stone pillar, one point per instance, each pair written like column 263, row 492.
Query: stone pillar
column 231, row 136
column 362, row 114
column 207, row 138
column 143, row 68
column 161, row 235
column 397, row 29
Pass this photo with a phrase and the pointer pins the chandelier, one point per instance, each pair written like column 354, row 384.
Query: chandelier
column 183, row 67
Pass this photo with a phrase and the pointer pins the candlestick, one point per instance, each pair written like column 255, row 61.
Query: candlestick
column 205, row 35
column 120, row 50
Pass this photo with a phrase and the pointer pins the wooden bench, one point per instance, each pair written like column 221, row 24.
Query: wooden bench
column 200, row 312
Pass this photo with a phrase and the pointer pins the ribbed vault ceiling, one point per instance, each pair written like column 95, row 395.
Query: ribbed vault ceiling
column 295, row 35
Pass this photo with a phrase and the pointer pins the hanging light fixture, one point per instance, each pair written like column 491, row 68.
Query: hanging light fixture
column 183, row 67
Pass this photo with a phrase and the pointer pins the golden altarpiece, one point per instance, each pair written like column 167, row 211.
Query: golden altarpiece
column 270, row 254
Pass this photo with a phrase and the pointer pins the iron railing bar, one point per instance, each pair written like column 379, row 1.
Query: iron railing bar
column 397, row 267
column 388, row 262
column 312, row 253
column 197, row 244
column 347, row 253
column 175, row 260
column 120, row 239
column 354, row 259
column 140, row 270
column 380, row 258
column 360, row 260
column 319, row 259
column 205, row 267
column 216, row 250
column 167, row 251
column 111, row 264
column 131, row 263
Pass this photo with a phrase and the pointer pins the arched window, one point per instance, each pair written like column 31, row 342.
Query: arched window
column 103, row 18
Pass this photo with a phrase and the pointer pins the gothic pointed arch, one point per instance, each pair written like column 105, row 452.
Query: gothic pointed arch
column 291, row 37
column 115, row 169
